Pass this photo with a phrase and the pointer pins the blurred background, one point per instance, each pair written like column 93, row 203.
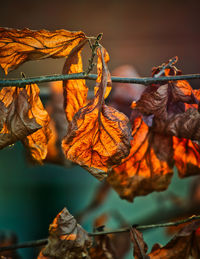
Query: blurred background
column 142, row 34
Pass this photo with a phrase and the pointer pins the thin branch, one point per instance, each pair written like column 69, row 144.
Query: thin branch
column 43, row 242
column 143, row 81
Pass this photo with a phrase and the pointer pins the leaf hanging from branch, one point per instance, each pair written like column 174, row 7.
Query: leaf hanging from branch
column 67, row 239
column 37, row 142
column 19, row 46
column 140, row 247
column 75, row 91
column 98, row 136
column 16, row 121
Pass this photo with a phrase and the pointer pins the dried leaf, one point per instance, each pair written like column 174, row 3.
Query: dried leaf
column 103, row 248
column 17, row 120
column 186, row 156
column 36, row 143
column 67, row 239
column 147, row 168
column 58, row 124
column 98, row 136
column 75, row 91
column 140, row 247
column 19, row 46
column 183, row 245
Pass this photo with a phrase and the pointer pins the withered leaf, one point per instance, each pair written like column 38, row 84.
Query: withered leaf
column 183, row 245
column 75, row 91
column 18, row 46
column 147, row 168
column 186, row 156
column 102, row 249
column 98, row 136
column 36, row 143
column 67, row 239
column 17, row 120
column 139, row 246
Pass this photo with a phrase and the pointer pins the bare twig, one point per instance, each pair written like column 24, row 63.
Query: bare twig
column 143, row 81
column 43, row 242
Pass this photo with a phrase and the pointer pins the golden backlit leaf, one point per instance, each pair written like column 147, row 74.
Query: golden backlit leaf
column 67, row 239
column 36, row 143
column 16, row 118
column 98, row 136
column 186, row 156
column 75, row 91
column 148, row 167
column 19, row 46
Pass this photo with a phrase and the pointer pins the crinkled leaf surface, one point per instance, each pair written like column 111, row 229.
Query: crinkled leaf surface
column 37, row 142
column 16, row 117
column 147, row 168
column 67, row 239
column 98, row 136
column 75, row 91
column 183, row 245
column 18, row 46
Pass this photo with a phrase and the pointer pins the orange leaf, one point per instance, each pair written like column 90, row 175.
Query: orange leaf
column 19, row 46
column 75, row 91
column 16, row 119
column 98, row 136
column 36, row 143
column 186, row 156
column 147, row 168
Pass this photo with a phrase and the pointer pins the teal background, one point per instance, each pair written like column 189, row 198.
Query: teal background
column 31, row 196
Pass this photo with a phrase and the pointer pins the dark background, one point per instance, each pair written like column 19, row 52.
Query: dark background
column 139, row 33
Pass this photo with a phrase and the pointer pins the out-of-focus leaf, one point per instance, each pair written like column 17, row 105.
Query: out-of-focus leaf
column 147, row 168
column 98, row 136
column 183, row 245
column 75, row 91
column 36, row 143
column 139, row 246
column 102, row 249
column 186, row 156
column 67, row 239
column 16, row 118
column 8, row 239
column 18, row 46
column 58, row 124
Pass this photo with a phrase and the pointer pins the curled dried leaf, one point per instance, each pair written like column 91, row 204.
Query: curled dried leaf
column 67, row 239
column 140, row 247
column 98, row 136
column 75, row 91
column 37, row 142
column 19, row 46
column 17, row 120
column 148, row 167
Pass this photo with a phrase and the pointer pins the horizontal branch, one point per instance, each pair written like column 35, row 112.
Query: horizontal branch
column 143, row 81
column 43, row 242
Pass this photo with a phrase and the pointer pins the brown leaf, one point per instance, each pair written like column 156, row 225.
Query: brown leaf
column 75, row 91
column 17, row 120
column 183, row 245
column 186, row 156
column 58, row 124
column 140, row 247
column 19, row 46
column 147, row 168
column 98, row 136
column 103, row 248
column 67, row 239
column 36, row 143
